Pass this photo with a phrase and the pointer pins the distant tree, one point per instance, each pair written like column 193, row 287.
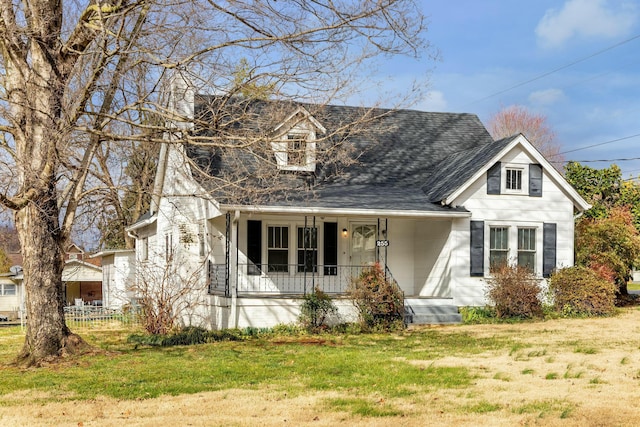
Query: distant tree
column 604, row 189
column 517, row 119
column 5, row 262
column 610, row 245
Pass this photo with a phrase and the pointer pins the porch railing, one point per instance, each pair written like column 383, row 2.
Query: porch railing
column 286, row 279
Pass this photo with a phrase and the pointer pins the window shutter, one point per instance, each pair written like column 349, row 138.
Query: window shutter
column 549, row 249
column 254, row 246
column 477, row 248
column 330, row 248
column 493, row 179
column 535, row 180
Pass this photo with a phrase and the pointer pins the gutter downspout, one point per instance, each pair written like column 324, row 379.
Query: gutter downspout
column 233, row 260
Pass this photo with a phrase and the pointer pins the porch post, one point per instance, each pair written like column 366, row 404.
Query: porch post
column 233, row 270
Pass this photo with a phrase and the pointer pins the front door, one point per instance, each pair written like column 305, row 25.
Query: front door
column 363, row 244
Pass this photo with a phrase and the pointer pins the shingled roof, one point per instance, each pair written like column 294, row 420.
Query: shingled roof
column 406, row 159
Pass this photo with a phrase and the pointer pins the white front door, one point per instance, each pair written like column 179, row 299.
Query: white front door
column 363, row 244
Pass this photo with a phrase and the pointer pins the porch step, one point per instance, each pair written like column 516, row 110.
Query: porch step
column 415, row 314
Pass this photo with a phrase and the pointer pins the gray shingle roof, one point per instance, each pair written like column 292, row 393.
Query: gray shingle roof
column 458, row 168
column 406, row 159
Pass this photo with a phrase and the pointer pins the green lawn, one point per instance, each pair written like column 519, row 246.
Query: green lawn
column 361, row 364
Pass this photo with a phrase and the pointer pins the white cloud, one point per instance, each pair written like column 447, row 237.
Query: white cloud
column 586, row 19
column 434, row 101
column 546, row 97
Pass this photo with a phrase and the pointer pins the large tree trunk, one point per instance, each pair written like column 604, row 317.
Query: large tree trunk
column 48, row 336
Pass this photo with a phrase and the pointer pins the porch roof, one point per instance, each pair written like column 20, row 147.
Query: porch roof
column 359, row 200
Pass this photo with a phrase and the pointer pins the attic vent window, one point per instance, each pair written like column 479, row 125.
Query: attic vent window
column 514, row 179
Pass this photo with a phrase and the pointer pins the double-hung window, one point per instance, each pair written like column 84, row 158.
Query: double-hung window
column 527, row 248
column 278, row 248
column 498, row 247
column 307, row 249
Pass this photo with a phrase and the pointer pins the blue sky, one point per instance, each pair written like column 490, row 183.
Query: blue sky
column 575, row 61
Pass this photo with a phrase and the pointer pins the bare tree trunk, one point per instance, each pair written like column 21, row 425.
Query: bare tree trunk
column 47, row 332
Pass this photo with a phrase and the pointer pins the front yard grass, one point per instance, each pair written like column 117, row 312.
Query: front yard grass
column 551, row 372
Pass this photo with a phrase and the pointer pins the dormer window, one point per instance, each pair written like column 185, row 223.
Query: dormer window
column 296, row 151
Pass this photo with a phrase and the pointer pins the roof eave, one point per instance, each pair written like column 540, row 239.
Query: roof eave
column 345, row 211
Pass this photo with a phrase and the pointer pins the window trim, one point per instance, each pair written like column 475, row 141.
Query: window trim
column 524, row 179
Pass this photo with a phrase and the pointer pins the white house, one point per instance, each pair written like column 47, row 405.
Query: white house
column 11, row 294
column 430, row 196
column 118, row 274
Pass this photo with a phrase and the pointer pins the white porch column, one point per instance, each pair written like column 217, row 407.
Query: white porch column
column 233, row 271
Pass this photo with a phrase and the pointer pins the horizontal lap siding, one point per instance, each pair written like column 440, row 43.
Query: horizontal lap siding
column 553, row 207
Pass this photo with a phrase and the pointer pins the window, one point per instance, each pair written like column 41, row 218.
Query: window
column 527, row 248
column 296, row 149
column 8, row 289
column 498, row 246
column 144, row 250
column 307, row 249
column 514, row 179
column 201, row 239
column 168, row 247
column 278, row 249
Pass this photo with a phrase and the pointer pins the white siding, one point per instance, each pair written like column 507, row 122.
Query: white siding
column 511, row 210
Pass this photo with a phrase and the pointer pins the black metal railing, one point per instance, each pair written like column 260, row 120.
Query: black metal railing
column 284, row 279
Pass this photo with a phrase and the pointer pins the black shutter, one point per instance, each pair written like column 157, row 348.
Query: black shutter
column 493, row 179
column 477, row 248
column 549, row 242
column 330, row 248
column 535, row 180
column 254, row 246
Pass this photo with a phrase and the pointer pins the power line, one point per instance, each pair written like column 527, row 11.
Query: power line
column 597, row 145
column 571, row 64
column 605, row 160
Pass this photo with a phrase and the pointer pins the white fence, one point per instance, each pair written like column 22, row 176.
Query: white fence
column 87, row 317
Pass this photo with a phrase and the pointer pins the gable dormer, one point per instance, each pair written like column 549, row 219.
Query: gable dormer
column 294, row 142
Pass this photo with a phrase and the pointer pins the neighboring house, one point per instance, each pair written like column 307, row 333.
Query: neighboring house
column 81, row 277
column 431, row 197
column 11, row 293
column 118, row 272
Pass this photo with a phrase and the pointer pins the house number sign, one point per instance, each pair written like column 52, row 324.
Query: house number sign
column 382, row 243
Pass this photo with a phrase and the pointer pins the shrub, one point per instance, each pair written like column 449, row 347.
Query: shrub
column 316, row 309
column 477, row 315
column 582, row 291
column 379, row 301
column 514, row 292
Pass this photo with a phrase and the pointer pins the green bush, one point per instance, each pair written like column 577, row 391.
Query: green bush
column 316, row 310
column 514, row 292
column 379, row 301
column 186, row 336
column 579, row 291
column 477, row 315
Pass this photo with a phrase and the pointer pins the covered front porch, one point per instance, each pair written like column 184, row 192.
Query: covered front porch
column 288, row 255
